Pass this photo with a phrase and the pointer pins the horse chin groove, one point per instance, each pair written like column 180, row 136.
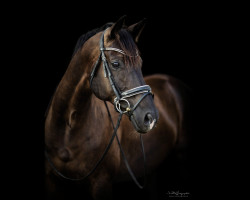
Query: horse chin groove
column 137, row 128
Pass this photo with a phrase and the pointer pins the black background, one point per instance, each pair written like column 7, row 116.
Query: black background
column 186, row 41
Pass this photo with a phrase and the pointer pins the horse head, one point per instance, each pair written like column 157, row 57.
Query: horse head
column 117, row 77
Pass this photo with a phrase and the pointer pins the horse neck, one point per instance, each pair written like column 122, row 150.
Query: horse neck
column 73, row 95
column 72, row 88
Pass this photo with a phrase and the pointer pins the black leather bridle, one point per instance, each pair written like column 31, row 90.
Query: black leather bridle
column 120, row 96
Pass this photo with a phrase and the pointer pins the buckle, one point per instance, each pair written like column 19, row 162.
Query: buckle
column 118, row 106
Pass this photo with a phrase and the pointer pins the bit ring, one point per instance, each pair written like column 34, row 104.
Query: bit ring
column 118, row 106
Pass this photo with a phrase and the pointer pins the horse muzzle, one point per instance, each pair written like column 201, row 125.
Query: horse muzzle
column 144, row 124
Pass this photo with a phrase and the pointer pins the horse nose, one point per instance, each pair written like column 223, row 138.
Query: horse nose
column 149, row 121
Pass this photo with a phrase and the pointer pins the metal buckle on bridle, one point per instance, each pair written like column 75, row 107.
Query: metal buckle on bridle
column 118, row 106
column 144, row 90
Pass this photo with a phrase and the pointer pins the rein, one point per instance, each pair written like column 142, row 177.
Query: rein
column 120, row 97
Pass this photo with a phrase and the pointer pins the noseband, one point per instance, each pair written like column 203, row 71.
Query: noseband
column 121, row 97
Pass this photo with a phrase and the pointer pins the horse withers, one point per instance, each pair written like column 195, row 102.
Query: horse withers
column 103, row 83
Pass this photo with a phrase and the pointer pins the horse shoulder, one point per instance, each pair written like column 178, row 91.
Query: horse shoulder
column 172, row 99
column 170, row 90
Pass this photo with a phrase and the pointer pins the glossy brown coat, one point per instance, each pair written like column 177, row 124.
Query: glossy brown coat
column 77, row 128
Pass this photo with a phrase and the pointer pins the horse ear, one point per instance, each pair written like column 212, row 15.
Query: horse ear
column 136, row 29
column 116, row 27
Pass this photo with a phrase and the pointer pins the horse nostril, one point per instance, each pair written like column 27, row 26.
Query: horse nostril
column 148, row 119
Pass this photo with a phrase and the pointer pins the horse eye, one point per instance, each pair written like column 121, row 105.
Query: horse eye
column 115, row 64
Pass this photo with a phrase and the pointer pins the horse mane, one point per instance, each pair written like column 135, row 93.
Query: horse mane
column 123, row 37
column 83, row 38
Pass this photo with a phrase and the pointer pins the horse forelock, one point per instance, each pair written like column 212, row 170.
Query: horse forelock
column 130, row 48
column 124, row 39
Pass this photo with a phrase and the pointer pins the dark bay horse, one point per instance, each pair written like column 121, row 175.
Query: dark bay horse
column 106, row 66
